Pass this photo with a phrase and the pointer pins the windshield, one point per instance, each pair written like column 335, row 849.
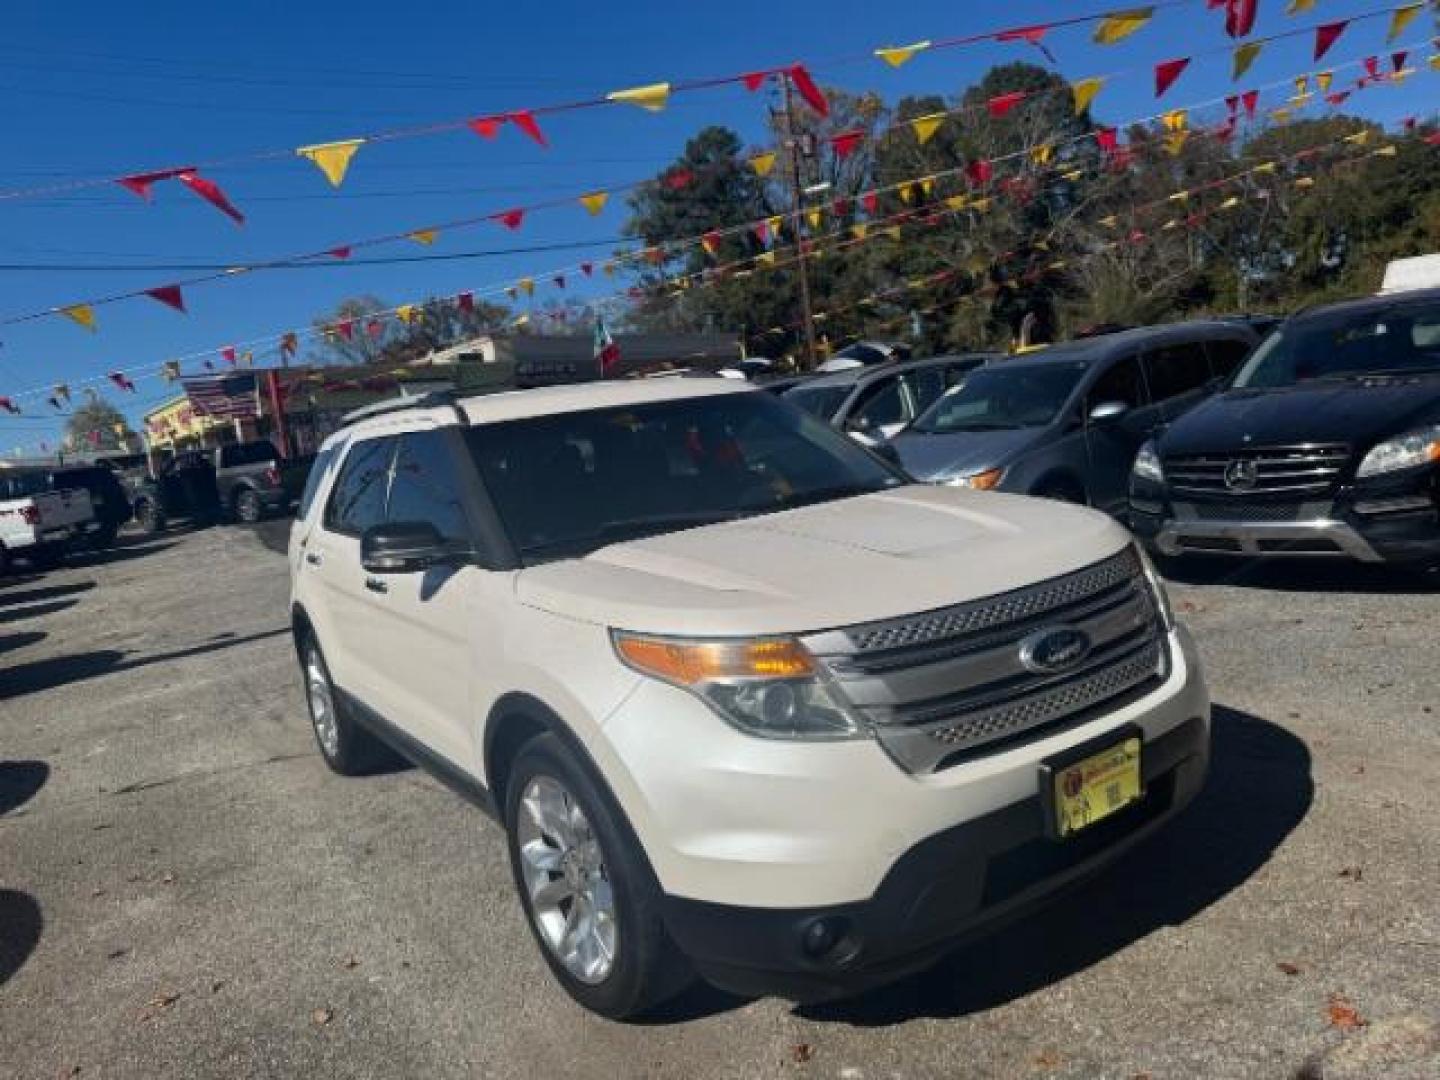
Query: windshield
column 569, row 483
column 1000, row 398
column 821, row 401
column 1385, row 341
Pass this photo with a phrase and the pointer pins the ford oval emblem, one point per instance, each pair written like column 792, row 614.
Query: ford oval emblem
column 1054, row 650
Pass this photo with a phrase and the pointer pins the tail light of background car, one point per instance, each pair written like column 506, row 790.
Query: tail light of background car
column 30, row 515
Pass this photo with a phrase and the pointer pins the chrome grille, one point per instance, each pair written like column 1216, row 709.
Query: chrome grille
column 951, row 683
column 1297, row 470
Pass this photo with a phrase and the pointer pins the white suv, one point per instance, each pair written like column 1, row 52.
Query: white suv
column 747, row 702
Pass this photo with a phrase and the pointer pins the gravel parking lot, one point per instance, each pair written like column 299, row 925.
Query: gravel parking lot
column 185, row 890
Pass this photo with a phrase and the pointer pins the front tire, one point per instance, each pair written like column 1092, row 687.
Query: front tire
column 347, row 748
column 592, row 902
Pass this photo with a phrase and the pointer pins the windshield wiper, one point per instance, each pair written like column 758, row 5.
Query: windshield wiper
column 615, row 532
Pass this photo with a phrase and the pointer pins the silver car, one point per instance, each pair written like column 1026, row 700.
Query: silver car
column 1065, row 423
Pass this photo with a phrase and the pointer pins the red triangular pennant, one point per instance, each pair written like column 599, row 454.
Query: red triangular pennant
column 120, row 379
column 465, row 302
column 511, row 219
column 1372, row 66
column 979, row 172
column 486, row 126
column 846, row 142
column 345, row 328
column 1337, row 98
column 871, row 201
column 1032, row 34
column 375, row 328
column 1003, row 103
column 342, row 252
column 140, row 182
column 228, row 354
column 1108, row 139
column 806, row 88
column 211, row 193
column 1250, row 99
column 1326, row 36
column 679, row 180
column 1397, row 60
column 559, row 280
column 525, row 121
column 587, row 268
column 754, row 79
column 169, row 295
column 1240, row 16
column 1167, row 72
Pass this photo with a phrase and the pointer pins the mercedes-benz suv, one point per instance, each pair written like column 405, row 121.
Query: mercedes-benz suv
column 747, row 702
column 1325, row 444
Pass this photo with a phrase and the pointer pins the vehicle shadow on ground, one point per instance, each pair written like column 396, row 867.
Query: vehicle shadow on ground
column 55, row 671
column 1299, row 575
column 19, row 781
column 45, row 592
column 130, row 548
column 9, row 642
column 11, row 613
column 20, row 927
column 1259, row 790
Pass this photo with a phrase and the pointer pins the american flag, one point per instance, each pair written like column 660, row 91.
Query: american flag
column 224, row 395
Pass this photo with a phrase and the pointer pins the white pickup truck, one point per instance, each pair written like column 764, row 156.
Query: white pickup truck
column 37, row 524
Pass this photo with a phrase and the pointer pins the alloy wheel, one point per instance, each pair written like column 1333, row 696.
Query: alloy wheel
column 571, row 900
column 322, row 704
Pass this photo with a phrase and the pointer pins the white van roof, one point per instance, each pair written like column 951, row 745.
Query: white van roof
column 1406, row 275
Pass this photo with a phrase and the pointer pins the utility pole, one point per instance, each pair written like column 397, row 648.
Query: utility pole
column 792, row 143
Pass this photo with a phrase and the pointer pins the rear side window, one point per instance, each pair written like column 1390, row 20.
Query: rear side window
column 883, row 403
column 1176, row 370
column 358, row 499
column 1122, row 382
column 321, row 466
column 251, row 453
column 426, row 485
column 1226, row 356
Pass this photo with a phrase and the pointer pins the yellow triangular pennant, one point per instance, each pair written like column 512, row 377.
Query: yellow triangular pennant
column 1073, row 175
column 765, row 258
column 1280, row 115
column 927, row 185
column 859, row 229
column 1298, row 6
column 1180, row 196
column 926, row 126
column 814, row 217
column 1041, row 155
column 1175, row 142
column 1385, row 151
column 594, row 201
column 1264, row 167
column 405, row 313
column 1110, row 222
column 1360, row 138
column 83, row 314
column 1230, row 203
column 895, row 55
column 1323, row 80
column 1084, row 92
column 981, row 205
column 527, row 286
column 1305, row 181
column 1176, row 120
column 652, row 97
column 1402, row 18
column 893, row 232
column 332, row 158
column 425, row 236
column 1119, row 25
column 1243, row 57
column 907, row 193
column 763, row 163
column 957, row 202
column 774, row 224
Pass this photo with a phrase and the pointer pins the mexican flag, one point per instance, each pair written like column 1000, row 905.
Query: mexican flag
column 607, row 353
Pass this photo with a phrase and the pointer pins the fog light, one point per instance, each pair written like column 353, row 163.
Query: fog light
column 830, row 940
column 818, row 938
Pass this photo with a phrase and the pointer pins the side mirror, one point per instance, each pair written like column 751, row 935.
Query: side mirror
column 858, row 425
column 405, row 547
column 1108, row 412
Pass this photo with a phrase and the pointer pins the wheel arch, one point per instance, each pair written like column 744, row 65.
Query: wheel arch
column 1061, row 476
column 300, row 626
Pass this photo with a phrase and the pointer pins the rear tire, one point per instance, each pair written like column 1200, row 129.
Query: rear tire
column 347, row 748
column 46, row 558
column 584, row 871
column 150, row 518
column 247, row 506
column 105, row 538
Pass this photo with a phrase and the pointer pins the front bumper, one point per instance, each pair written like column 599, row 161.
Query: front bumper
column 951, row 887
column 1392, row 519
column 754, row 840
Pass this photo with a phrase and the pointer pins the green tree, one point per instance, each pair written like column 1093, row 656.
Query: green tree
column 97, row 424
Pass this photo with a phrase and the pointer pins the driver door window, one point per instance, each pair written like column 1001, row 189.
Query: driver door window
column 358, row 500
column 426, row 486
column 1123, row 383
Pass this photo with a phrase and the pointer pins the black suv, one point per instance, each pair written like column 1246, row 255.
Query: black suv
column 1325, row 443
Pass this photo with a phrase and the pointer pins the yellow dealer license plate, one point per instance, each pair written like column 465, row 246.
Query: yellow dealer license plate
column 1091, row 788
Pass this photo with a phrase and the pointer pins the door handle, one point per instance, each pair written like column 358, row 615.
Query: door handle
column 314, row 558
column 374, row 584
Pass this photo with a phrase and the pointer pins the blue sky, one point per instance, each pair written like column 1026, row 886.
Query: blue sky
column 90, row 89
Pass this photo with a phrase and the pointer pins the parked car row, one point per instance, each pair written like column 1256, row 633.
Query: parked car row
column 48, row 509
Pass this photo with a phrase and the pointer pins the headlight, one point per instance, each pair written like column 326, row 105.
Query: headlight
column 1147, row 465
column 1157, row 589
column 1403, row 452
column 984, row 481
column 770, row 687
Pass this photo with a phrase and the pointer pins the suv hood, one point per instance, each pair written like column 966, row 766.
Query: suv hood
column 1360, row 414
column 927, row 456
column 850, row 561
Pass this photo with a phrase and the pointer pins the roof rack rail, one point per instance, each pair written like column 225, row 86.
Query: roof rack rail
column 428, row 400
